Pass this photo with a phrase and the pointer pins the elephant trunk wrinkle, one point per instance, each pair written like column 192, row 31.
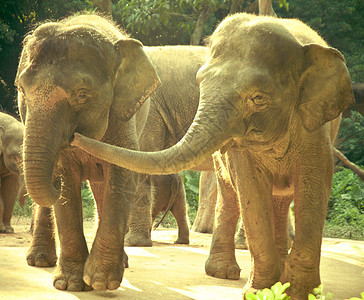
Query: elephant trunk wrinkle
column 39, row 161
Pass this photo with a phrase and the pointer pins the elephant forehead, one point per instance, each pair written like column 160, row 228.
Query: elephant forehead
column 46, row 96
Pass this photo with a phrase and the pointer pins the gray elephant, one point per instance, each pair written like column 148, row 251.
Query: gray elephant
column 172, row 109
column 12, row 185
column 271, row 97
column 80, row 74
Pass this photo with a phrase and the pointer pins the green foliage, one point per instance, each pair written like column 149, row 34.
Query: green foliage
column 17, row 17
column 346, row 204
column 340, row 23
column 88, row 203
column 345, row 216
column 352, row 136
column 276, row 292
column 191, row 181
column 318, row 293
column 162, row 22
column 24, row 211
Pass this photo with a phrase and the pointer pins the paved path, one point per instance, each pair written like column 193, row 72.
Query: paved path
column 167, row 271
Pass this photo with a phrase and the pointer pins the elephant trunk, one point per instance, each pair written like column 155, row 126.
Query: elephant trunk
column 208, row 133
column 39, row 158
column 22, row 192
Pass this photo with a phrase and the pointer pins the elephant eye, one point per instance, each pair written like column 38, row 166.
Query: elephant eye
column 82, row 95
column 258, row 99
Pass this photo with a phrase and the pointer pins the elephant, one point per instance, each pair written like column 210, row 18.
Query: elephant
column 12, row 185
column 168, row 194
column 358, row 89
column 168, row 114
column 204, row 221
column 171, row 112
column 271, row 97
column 80, row 74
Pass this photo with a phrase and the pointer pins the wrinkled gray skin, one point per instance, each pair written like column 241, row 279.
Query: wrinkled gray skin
column 168, row 194
column 204, row 221
column 11, row 181
column 172, row 109
column 267, row 95
column 80, row 74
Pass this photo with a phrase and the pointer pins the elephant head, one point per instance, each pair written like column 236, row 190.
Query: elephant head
column 11, row 141
column 72, row 74
column 265, row 80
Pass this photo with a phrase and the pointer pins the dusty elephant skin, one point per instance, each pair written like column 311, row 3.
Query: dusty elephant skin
column 172, row 109
column 80, row 74
column 11, row 181
column 267, row 95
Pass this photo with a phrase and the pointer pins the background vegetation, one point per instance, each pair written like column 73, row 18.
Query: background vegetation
column 161, row 22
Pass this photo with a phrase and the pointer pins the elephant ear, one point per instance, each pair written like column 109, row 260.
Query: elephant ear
column 325, row 87
column 136, row 78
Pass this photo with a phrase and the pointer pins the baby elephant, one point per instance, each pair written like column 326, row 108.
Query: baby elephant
column 11, row 182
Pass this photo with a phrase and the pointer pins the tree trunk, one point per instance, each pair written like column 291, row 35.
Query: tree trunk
column 266, row 8
column 200, row 25
column 235, row 5
column 104, row 6
column 348, row 164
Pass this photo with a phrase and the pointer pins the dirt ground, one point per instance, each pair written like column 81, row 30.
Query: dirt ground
column 167, row 271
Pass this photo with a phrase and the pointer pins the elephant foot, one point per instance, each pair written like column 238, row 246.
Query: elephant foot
column 217, row 265
column 259, row 283
column 69, row 276
column 6, row 229
column 126, row 260
column 301, row 282
column 9, row 229
column 182, row 240
column 137, row 240
column 248, row 289
column 104, row 273
column 42, row 253
column 2, row 228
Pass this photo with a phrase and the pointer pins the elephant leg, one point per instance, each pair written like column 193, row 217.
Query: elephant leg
column 9, row 192
column 310, row 202
column 140, row 218
column 204, row 221
column 255, row 195
column 99, row 192
column 104, row 267
column 221, row 262
column 42, row 251
column 179, row 209
column 281, row 209
column 73, row 247
column 240, row 239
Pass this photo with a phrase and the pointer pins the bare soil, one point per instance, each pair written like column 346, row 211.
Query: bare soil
column 166, row 270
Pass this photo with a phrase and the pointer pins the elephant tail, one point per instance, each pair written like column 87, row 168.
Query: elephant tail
column 172, row 199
